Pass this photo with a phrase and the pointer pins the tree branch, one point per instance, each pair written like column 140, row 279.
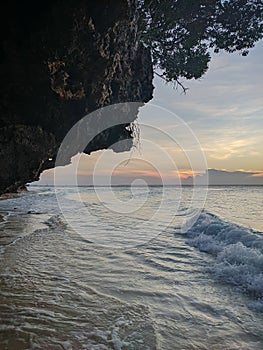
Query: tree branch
column 176, row 82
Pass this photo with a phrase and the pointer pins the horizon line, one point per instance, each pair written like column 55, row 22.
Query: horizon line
column 148, row 185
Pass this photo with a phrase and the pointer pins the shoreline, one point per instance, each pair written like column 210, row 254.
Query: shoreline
column 9, row 195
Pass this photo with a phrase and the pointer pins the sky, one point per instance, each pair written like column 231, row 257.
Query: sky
column 215, row 128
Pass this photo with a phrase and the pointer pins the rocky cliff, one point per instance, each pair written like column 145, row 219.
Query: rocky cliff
column 59, row 61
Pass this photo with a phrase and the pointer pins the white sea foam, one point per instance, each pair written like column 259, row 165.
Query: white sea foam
column 238, row 252
column 56, row 222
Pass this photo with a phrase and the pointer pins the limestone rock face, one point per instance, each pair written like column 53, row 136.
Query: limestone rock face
column 60, row 61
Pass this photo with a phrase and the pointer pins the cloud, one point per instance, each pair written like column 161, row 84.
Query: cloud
column 258, row 174
column 224, row 177
column 224, row 109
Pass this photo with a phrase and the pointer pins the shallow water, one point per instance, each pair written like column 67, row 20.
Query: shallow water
column 99, row 277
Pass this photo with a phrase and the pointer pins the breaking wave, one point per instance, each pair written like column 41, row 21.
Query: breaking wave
column 238, row 253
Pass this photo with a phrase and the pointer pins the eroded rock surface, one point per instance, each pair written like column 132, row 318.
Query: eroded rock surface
column 58, row 63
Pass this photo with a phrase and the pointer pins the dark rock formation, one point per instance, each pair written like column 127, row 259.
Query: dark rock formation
column 60, row 60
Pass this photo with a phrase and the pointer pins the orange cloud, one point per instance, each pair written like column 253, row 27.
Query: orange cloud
column 135, row 172
column 184, row 173
column 257, row 175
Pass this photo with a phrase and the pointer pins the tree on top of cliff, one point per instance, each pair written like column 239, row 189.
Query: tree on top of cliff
column 182, row 33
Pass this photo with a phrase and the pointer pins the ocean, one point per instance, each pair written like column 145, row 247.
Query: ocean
column 132, row 268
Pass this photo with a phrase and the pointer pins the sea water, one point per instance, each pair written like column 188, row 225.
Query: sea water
column 82, row 271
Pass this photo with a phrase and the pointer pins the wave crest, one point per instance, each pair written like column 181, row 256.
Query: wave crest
column 238, row 252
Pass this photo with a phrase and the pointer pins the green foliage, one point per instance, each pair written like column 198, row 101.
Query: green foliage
column 182, row 33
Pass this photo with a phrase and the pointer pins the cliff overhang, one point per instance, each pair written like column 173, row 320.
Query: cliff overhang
column 59, row 63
